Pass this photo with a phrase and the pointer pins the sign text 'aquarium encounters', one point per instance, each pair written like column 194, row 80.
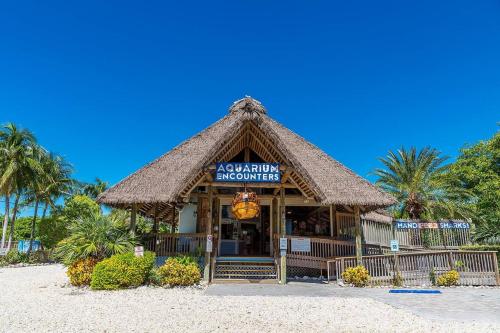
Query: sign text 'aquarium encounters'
column 248, row 172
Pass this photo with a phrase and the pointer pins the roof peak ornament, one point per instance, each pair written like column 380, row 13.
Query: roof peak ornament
column 247, row 105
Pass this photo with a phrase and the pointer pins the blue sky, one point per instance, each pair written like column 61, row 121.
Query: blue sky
column 113, row 85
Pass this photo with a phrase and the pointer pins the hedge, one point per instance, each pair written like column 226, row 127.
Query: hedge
column 122, row 271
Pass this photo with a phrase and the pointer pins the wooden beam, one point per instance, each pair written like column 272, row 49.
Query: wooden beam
column 247, row 155
column 331, row 220
column 155, row 219
column 133, row 219
column 357, row 232
column 206, row 272
column 282, row 233
column 301, row 190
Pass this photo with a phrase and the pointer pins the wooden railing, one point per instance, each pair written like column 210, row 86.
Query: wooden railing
column 173, row 244
column 322, row 248
column 374, row 232
column 421, row 268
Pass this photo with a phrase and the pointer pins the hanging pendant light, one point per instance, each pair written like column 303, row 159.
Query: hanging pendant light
column 246, row 205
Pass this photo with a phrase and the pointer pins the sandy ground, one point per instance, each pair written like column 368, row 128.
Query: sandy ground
column 38, row 298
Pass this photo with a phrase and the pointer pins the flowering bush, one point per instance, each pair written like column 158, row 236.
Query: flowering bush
column 176, row 272
column 448, row 279
column 80, row 272
column 357, row 276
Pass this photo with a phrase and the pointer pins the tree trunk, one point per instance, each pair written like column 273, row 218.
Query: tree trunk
column 13, row 220
column 33, row 224
column 6, row 219
column 45, row 210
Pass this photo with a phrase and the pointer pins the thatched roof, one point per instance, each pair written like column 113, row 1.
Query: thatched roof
column 163, row 180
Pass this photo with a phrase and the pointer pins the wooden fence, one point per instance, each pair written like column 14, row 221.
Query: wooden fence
column 322, row 248
column 423, row 268
column 374, row 232
column 164, row 244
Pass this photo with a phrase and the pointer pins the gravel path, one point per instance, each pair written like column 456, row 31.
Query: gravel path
column 38, row 298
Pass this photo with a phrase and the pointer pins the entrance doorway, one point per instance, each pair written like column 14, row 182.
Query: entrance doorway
column 245, row 237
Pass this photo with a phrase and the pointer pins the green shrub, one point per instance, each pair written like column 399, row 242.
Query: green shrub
column 432, row 276
column 179, row 272
column 448, row 279
column 15, row 257
column 80, row 207
column 122, row 271
column 52, row 230
column 80, row 272
column 95, row 236
column 186, row 260
column 397, row 280
column 357, row 276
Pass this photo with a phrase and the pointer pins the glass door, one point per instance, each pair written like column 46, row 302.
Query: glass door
column 244, row 237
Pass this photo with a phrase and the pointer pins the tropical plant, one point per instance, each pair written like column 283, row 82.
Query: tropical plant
column 51, row 181
column 477, row 169
column 357, row 276
column 419, row 181
column 17, row 162
column 80, row 272
column 448, row 279
column 122, row 271
column 94, row 189
column 179, row 272
column 79, row 207
column 96, row 237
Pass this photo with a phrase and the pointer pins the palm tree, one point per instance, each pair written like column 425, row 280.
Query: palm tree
column 93, row 190
column 16, row 159
column 51, row 182
column 419, row 182
column 58, row 182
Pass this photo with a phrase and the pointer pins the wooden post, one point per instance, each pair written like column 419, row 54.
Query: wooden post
column 495, row 267
column 133, row 219
column 283, row 234
column 357, row 232
column 337, row 222
column 332, row 220
column 206, row 272
column 172, row 225
column 450, row 260
column 271, row 226
column 155, row 227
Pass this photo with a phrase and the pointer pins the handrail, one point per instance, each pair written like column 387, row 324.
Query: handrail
column 474, row 267
column 166, row 244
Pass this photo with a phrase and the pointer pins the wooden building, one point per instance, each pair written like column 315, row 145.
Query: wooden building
column 317, row 205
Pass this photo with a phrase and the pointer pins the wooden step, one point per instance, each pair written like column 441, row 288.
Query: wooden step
column 245, row 276
column 261, row 281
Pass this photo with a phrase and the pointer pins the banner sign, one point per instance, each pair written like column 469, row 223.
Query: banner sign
column 248, row 172
column 402, row 224
column 301, row 245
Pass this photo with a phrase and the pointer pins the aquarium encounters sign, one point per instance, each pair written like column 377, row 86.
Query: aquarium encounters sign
column 248, row 172
column 401, row 224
